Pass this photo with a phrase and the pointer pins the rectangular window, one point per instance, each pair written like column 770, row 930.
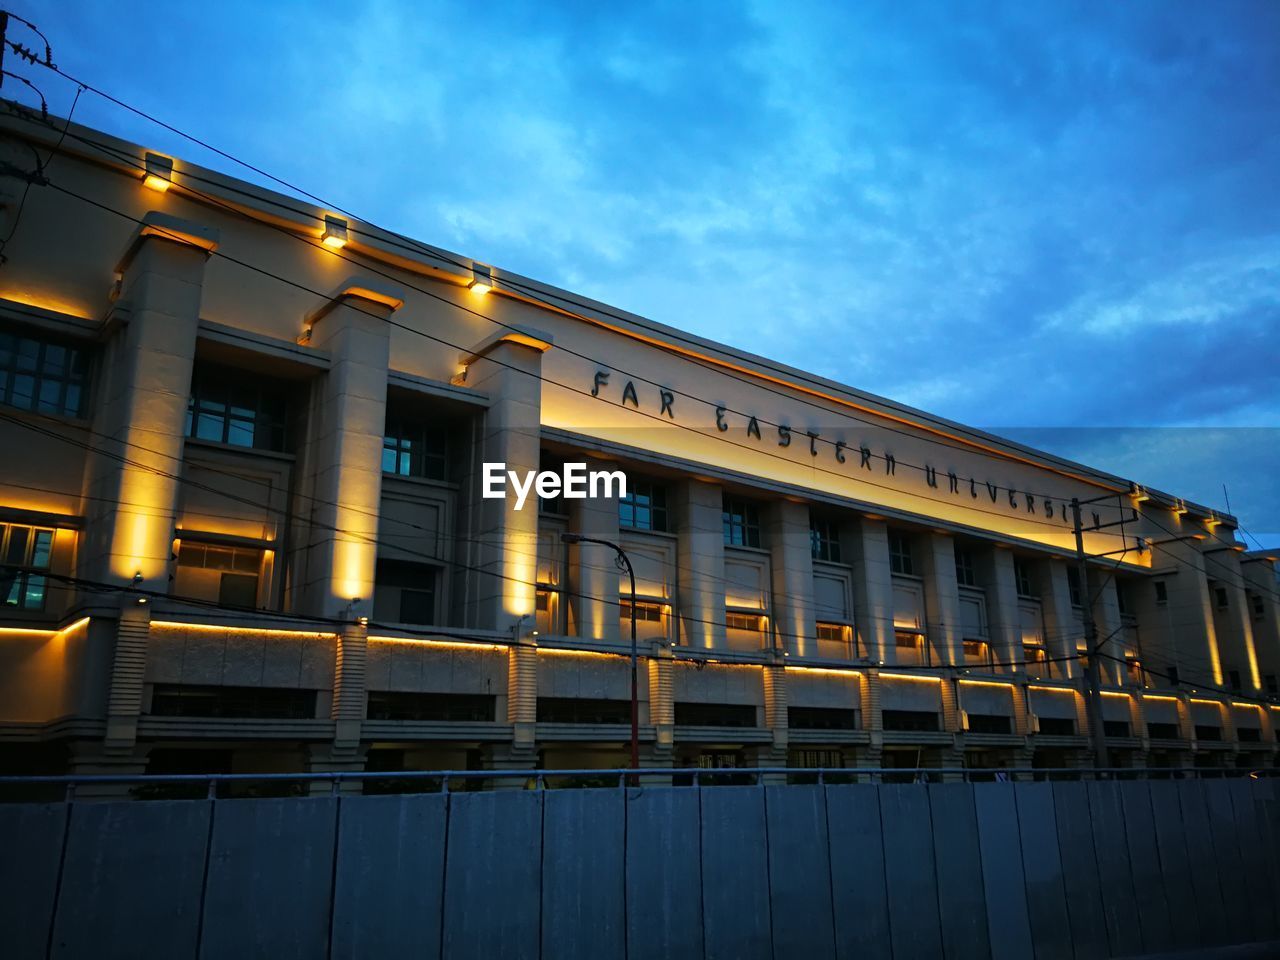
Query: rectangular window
column 1022, row 575
column 821, row 718
column 226, row 575
column 414, row 448
column 976, row 651
column 1162, row 592
column 1122, row 599
column 1220, row 596
column 647, row 611
column 900, row 559
column 583, row 710
column 644, row 507
column 1259, row 607
column 1208, row 732
column 715, row 715
column 1269, row 681
column 1171, row 674
column 1073, row 586
column 1233, row 680
column 824, row 540
column 1034, row 656
column 404, row 592
column 175, row 700
column 42, row 376
column 990, row 723
column 965, row 574
column 1057, row 727
column 910, row 648
column 1115, row 728
column 24, row 553
column 909, row 720
column 1248, row 734
column 743, row 621
column 1133, row 670
column 836, row 632
column 741, row 522
column 815, row 759
column 448, row 707
column 229, row 406
column 1162, row 731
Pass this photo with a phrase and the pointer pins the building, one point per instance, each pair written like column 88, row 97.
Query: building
column 243, row 529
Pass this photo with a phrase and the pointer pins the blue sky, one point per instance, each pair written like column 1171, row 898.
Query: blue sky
column 1061, row 221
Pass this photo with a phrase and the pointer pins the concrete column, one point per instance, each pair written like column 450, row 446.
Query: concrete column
column 701, row 561
column 873, row 588
column 791, row 560
column 996, row 572
column 1259, row 572
column 1188, row 627
column 949, row 696
column 775, row 710
column 349, row 692
column 142, row 404
column 1020, row 709
column 942, row 597
column 1238, row 647
column 128, row 668
column 507, row 368
column 343, row 456
column 871, row 719
column 595, row 582
column 522, row 702
column 662, row 709
column 1101, row 588
column 1063, row 631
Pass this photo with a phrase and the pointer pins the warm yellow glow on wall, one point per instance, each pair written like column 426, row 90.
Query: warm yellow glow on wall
column 1156, row 696
column 1212, row 703
column 178, row 625
column 335, row 233
column 1115, row 693
column 559, row 652
column 988, row 683
column 1048, row 689
column 1238, row 703
column 909, row 676
column 832, row 671
column 449, row 644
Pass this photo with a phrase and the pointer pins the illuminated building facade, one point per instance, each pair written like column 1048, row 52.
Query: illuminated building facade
column 242, row 529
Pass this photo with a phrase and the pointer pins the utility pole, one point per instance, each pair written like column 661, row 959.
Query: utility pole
column 1093, row 692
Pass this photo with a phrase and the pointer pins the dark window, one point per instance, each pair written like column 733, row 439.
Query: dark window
column 1162, row 592
column 824, row 540
column 815, row 759
column 821, row 718
column 1220, row 595
column 576, row 710
column 965, row 575
column 1073, row 586
column 909, row 720
column 1270, row 682
column 741, row 522
column 1248, row 734
column 1115, row 728
column 552, row 506
column 743, row 621
column 404, row 592
column 644, row 507
column 451, row 707
column 833, row 631
column 1208, row 732
column 1022, row 575
column 42, row 376
column 1171, row 674
column 1259, row 607
column 975, row 651
column 989, row 723
column 24, row 552
column 715, row 715
column 414, row 448
column 646, row 611
column 267, row 703
column 1233, row 680
column 1162, row 731
column 900, row 559
column 1122, row 598
column 228, row 575
column 229, row 406
column 1057, row 727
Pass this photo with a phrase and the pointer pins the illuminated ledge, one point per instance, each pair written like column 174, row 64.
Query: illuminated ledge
column 515, row 333
column 168, row 227
column 370, row 289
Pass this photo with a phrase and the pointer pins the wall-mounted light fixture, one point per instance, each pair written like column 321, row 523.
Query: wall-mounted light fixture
column 335, row 232
column 159, row 172
column 481, row 279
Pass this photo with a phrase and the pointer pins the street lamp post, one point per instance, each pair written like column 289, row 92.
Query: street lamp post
column 625, row 561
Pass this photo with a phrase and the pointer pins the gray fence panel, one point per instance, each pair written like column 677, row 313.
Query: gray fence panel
column 1255, row 856
column 1211, row 910
column 1144, row 862
column 962, row 906
column 492, row 875
column 1226, row 847
column 1175, row 866
column 859, row 898
column 1042, row 871
column 799, row 872
column 1115, row 878
column 1008, row 923
column 910, row 876
column 31, row 837
column 1080, row 870
column 664, row 874
column 389, row 881
column 583, row 836
column 1268, row 812
column 132, row 880
column 735, row 874
column 270, row 879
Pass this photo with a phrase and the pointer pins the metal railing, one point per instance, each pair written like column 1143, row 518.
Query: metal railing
column 223, row 785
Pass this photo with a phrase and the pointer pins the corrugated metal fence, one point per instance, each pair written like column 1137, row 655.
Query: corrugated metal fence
column 956, row 870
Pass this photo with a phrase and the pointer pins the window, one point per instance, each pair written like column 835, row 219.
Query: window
column 715, row 715
column 644, row 507
column 449, row 707
column 741, row 522
column 1162, row 731
column 547, row 610
column 582, row 710
column 412, row 448
column 1248, row 734
column 228, row 406
column 1057, row 727
column 900, row 559
column 647, row 611
column 1259, row 607
column 1269, row 681
column 815, row 759
column 1122, row 599
column 911, row 648
column 1115, row 728
column 1162, row 592
column 1208, row 732
column 24, row 552
column 228, row 575
column 1171, row 674
column 965, row 574
column 909, row 720
column 41, row 376
column 989, row 723
column 824, row 540
column 1073, row 586
column 836, row 632
column 976, row 651
column 1022, row 575
column 1233, row 680
column 743, row 621
column 404, row 592
column 1220, row 597
column 174, row 700
column 1133, row 670
column 821, row 718
column 1034, row 656
column 552, row 506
